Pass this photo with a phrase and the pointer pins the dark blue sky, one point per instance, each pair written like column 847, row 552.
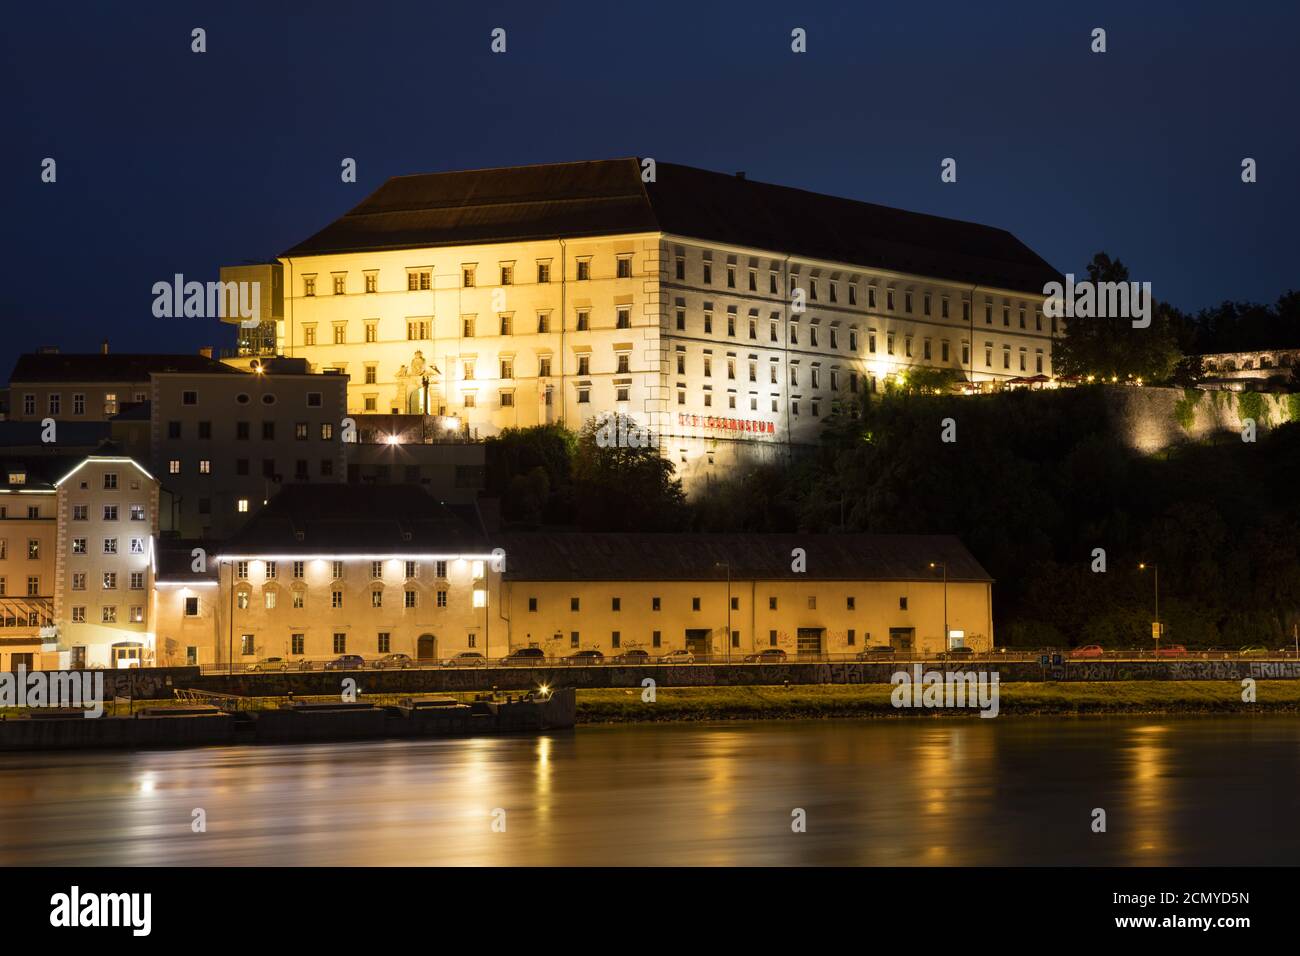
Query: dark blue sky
column 169, row 161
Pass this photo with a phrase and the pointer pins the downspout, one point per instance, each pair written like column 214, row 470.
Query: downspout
column 564, row 320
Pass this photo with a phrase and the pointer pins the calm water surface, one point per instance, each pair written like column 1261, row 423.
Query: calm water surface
column 884, row 792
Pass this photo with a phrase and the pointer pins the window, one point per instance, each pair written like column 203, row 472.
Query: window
column 110, row 545
column 584, row 320
column 340, row 643
column 79, row 614
column 584, row 270
column 108, row 615
column 79, row 408
column 191, row 607
column 695, row 604
column 624, row 267
column 309, row 335
column 902, row 604
column 296, row 643
column 543, row 272
column 110, row 581
column 371, row 282
column 377, row 598
column 336, row 598
column 110, row 481
column 308, row 285
column 410, row 598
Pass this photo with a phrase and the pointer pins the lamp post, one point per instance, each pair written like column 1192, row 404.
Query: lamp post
column 1155, row 570
column 727, row 565
column 944, row 565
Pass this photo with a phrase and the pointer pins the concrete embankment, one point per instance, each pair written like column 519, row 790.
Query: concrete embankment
column 289, row 724
column 451, row 680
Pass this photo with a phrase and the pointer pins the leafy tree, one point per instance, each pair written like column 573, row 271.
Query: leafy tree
column 618, row 486
column 1110, row 347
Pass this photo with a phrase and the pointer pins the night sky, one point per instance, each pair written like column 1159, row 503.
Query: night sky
column 170, row 161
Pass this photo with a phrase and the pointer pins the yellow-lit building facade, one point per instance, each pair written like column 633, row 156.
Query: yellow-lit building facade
column 730, row 318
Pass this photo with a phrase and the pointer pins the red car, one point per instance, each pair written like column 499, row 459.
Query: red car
column 1171, row 650
column 1088, row 650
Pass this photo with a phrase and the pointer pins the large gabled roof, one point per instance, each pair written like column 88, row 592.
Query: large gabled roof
column 602, row 197
column 764, row 557
column 340, row 520
column 113, row 367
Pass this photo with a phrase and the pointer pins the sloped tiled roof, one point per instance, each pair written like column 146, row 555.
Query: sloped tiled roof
column 575, row 200
column 98, row 367
column 700, row 557
column 313, row 519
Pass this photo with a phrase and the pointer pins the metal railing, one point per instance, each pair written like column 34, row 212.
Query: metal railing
column 748, row 658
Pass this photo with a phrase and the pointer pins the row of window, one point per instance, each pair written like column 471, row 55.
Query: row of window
column 298, row 643
column 54, row 403
column 298, row 569
column 420, row 329
column 813, row 285
column 656, row 603
column 108, row 614
column 136, row 546
column 420, row 279
column 302, row 431
column 298, row 599
column 33, row 586
column 109, row 581
column 243, row 467
column 190, row 397
column 109, row 512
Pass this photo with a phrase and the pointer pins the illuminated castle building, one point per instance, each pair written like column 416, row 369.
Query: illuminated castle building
column 726, row 316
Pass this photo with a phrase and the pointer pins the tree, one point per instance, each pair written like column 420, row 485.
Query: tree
column 1110, row 347
column 623, row 486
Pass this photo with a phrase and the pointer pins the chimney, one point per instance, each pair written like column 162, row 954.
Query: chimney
column 103, row 347
column 47, row 350
column 740, row 174
column 206, row 351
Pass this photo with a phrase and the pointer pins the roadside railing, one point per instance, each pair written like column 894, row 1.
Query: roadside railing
column 1053, row 657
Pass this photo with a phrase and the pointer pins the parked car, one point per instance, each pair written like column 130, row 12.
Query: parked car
column 678, row 656
column 768, row 655
column 1253, row 650
column 1171, row 650
column 881, row 652
column 634, row 656
column 400, row 661
column 589, row 656
column 1088, row 650
column 525, row 655
column 466, row 659
column 346, row 662
column 957, row 654
column 269, row 664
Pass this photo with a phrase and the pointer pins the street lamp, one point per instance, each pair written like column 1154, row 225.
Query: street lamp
column 1155, row 570
column 727, row 565
column 944, row 565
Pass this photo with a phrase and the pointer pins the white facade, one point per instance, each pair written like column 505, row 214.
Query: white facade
column 104, row 564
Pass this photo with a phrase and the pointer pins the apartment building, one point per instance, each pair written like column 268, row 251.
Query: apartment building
column 104, row 565
column 224, row 444
column 729, row 317
column 28, row 539
column 89, row 387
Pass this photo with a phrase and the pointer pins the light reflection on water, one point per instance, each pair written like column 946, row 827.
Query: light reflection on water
column 884, row 792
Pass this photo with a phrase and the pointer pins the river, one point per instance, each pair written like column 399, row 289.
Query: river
column 884, row 792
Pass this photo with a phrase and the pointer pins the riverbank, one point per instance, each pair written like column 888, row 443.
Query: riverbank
column 873, row 700
column 820, row 701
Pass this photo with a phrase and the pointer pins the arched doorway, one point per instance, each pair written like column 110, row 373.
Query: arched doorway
column 426, row 647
